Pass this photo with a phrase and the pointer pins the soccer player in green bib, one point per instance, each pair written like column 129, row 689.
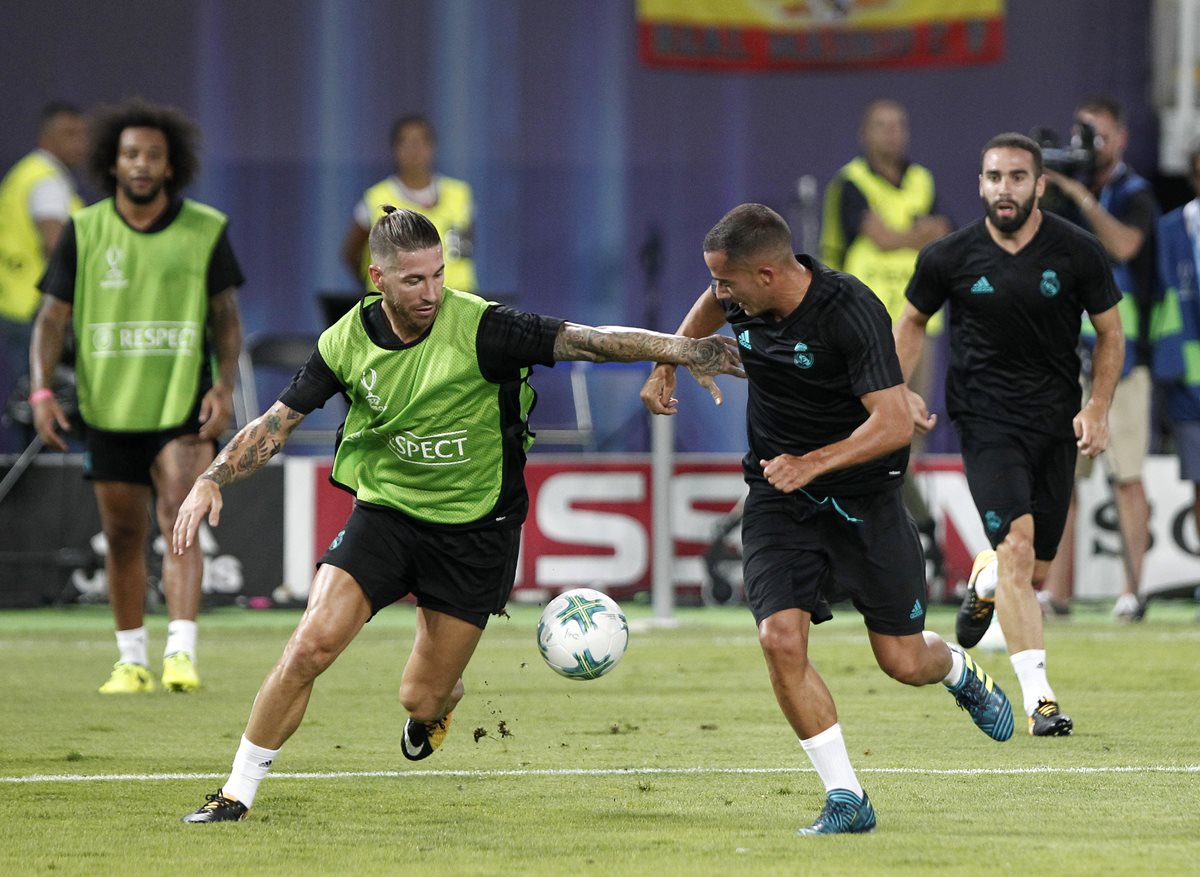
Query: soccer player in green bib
column 433, row 449
column 148, row 280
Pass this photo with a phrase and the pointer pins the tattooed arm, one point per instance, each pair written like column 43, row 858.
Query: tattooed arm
column 703, row 357
column 248, row 451
column 225, row 331
column 705, row 317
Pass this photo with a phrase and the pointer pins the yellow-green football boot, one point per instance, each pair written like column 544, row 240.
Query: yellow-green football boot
column 179, row 673
column 128, row 678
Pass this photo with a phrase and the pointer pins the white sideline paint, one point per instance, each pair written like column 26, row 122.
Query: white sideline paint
column 592, row 772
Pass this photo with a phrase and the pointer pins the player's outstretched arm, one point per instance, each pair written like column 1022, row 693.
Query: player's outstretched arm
column 703, row 357
column 247, row 452
column 705, row 318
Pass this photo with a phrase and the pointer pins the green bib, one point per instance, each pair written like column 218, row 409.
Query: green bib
column 141, row 305
column 424, row 432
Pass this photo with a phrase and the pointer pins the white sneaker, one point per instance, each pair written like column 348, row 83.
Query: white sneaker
column 1127, row 608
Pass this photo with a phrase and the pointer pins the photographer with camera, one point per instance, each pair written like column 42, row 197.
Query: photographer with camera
column 1098, row 191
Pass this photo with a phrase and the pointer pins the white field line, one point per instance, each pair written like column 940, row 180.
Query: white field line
column 616, row 771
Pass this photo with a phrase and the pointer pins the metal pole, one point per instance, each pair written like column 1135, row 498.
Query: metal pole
column 23, row 462
column 662, row 454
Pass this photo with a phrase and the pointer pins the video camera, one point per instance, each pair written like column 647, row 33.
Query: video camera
column 1077, row 159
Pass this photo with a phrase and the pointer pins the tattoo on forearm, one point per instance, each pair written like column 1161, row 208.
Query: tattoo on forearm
column 219, row 473
column 616, row 345
column 248, row 451
column 704, row 357
column 226, row 330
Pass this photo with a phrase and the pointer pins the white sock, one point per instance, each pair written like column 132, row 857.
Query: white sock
column 985, row 582
column 1030, row 667
column 181, row 637
column 958, row 667
column 132, row 646
column 250, row 766
column 827, row 752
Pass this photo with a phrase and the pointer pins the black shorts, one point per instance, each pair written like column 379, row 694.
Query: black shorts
column 805, row 552
column 465, row 573
column 1011, row 474
column 129, row 456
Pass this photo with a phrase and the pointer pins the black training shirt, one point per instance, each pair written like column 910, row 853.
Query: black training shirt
column 1014, row 320
column 808, row 372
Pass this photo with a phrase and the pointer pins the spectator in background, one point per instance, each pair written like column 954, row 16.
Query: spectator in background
column 37, row 196
column 149, row 281
column 1178, row 240
column 447, row 202
column 1117, row 206
column 880, row 209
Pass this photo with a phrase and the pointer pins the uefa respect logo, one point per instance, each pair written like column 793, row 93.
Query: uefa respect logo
column 439, row 449
column 144, row 338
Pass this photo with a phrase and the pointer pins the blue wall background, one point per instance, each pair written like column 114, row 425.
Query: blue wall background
column 576, row 151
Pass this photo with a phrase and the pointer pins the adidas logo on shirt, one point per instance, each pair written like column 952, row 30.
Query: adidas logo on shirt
column 744, row 338
column 982, row 286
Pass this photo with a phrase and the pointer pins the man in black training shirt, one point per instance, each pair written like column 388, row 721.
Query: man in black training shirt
column 1018, row 281
column 433, row 449
column 829, row 429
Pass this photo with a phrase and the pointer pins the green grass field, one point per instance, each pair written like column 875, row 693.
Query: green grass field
column 679, row 762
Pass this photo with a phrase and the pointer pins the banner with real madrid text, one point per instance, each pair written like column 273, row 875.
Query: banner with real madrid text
column 818, row 34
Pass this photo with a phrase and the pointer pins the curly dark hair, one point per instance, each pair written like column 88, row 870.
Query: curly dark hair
column 182, row 140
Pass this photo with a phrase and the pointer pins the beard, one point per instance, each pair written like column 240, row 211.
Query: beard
column 1009, row 224
column 142, row 197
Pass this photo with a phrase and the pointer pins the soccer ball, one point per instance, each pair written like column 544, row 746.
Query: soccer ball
column 582, row 634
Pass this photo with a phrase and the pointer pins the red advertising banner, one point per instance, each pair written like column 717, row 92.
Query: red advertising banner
column 589, row 524
column 589, row 520
column 818, row 34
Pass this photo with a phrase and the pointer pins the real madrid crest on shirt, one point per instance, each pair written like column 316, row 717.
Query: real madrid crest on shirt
column 803, row 358
column 1050, row 284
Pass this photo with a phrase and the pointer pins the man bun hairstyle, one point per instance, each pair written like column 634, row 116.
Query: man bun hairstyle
column 399, row 230
column 183, row 138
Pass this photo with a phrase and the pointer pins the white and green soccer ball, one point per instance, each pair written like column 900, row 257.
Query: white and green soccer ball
column 582, row 634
